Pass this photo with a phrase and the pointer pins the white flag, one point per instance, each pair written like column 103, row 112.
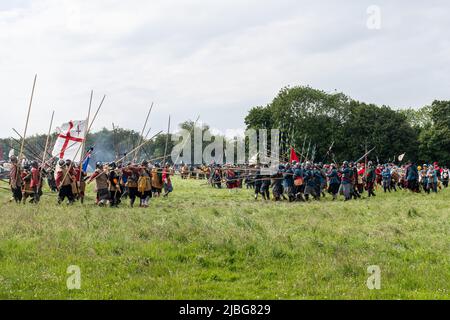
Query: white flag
column 400, row 157
column 253, row 160
column 70, row 138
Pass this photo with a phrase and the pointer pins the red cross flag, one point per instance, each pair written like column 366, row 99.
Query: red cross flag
column 70, row 138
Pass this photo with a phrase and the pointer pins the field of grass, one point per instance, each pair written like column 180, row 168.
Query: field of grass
column 204, row 243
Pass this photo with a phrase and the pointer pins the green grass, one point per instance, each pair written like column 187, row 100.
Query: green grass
column 203, row 243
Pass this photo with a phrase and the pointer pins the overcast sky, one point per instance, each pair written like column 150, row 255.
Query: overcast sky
column 213, row 58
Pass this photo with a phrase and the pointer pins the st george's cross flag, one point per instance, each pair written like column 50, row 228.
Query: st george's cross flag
column 70, row 138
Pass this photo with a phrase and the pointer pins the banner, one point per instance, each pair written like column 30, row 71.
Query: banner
column 294, row 156
column 69, row 141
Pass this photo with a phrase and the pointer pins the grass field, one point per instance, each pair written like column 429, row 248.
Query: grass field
column 203, row 243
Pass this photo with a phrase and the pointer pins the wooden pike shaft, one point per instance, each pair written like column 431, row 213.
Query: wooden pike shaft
column 29, row 147
column 28, row 118
column 48, row 138
column 139, row 146
column 83, row 147
column 121, row 159
column 167, row 142
column 136, row 153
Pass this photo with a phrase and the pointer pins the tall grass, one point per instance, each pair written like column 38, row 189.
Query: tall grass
column 204, row 243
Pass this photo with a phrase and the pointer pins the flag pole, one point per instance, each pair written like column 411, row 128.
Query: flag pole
column 28, row 118
column 86, row 132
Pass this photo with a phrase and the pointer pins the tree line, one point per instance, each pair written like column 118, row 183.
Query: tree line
column 312, row 121
column 309, row 120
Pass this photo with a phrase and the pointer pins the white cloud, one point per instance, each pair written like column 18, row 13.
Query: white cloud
column 215, row 59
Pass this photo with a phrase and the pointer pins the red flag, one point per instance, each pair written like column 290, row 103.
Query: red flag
column 293, row 156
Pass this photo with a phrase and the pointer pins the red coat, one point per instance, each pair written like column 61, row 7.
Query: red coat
column 35, row 178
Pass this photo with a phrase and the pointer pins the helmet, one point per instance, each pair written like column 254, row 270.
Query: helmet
column 13, row 159
column 62, row 163
column 99, row 165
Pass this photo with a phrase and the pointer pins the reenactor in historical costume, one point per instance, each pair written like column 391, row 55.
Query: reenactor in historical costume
column 157, row 181
column 323, row 179
column 115, row 191
column 167, row 181
column 51, row 179
column 386, row 176
column 265, row 185
column 257, row 181
column 423, row 177
column 145, row 184
column 438, row 172
column 231, row 179
column 310, row 182
column 217, row 177
column 192, row 172
column 184, row 171
column 412, row 177
column 318, row 181
column 395, row 178
column 346, row 181
column 207, row 172
column 101, row 184
column 354, row 181
column 432, row 179
column 360, row 178
column 249, row 177
column 64, row 182
column 277, row 184
column 379, row 177
column 27, row 191
column 299, row 185
column 370, row 179
column 445, row 177
column 80, row 177
column 334, row 182
column 15, row 180
column 132, row 177
column 36, row 181
column 288, row 176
